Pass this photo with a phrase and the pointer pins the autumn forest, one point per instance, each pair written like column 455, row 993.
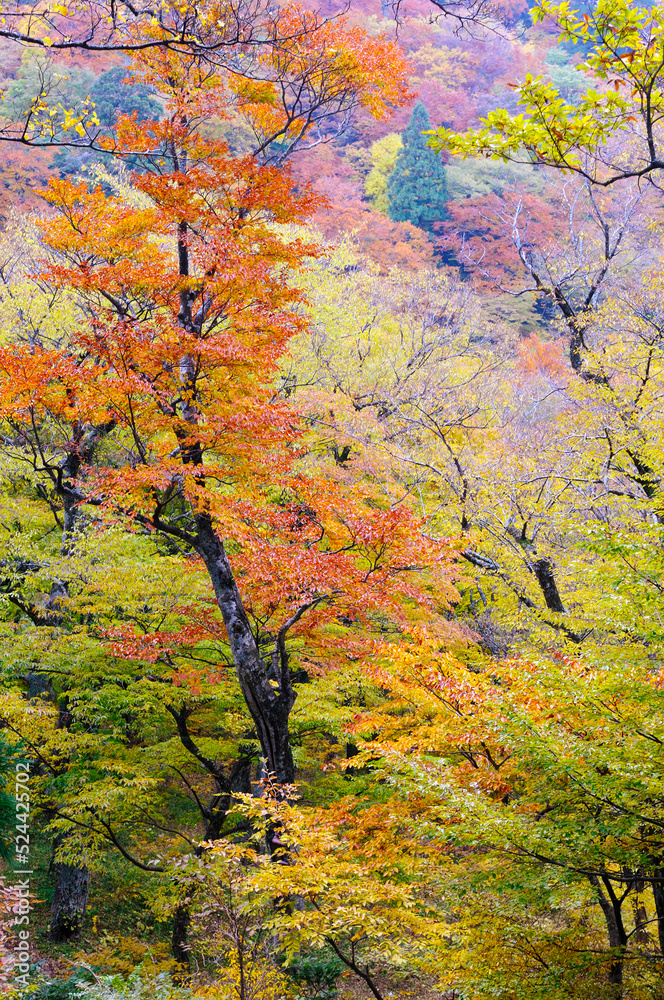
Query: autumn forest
column 331, row 500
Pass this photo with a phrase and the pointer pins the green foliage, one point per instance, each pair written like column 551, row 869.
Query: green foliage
column 70, row 988
column 566, row 78
column 417, row 187
column 113, row 95
column 8, row 757
column 40, row 75
column 317, row 974
column 477, row 178
column 141, row 984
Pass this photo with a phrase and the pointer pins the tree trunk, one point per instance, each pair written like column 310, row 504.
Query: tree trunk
column 39, row 686
column 545, row 577
column 179, row 945
column 269, row 703
column 612, row 910
column 72, row 884
column 70, row 901
column 658, row 893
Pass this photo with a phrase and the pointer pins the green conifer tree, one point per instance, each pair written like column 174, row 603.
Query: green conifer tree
column 417, row 188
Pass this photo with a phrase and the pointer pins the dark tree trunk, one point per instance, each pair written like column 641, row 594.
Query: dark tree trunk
column 543, row 569
column 612, row 910
column 658, row 893
column 39, row 686
column 179, row 945
column 214, row 815
column 70, row 901
column 269, row 705
column 72, row 884
column 241, row 776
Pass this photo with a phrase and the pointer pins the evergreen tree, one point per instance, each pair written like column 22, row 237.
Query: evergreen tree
column 417, row 188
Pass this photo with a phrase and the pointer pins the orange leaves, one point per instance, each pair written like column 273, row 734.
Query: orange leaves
column 325, row 63
column 186, row 299
column 104, row 244
column 285, row 69
column 90, row 220
column 27, row 380
column 126, row 260
column 536, row 355
column 376, row 66
column 99, row 241
column 226, row 195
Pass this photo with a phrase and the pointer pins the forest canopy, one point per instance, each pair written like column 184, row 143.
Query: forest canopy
column 332, row 434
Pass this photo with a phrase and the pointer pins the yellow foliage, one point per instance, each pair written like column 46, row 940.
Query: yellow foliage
column 242, row 978
column 384, row 154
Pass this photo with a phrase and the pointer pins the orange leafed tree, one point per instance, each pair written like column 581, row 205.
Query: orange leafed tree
column 159, row 406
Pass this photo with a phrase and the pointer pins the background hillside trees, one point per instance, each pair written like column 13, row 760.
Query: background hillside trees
column 605, row 135
column 416, row 189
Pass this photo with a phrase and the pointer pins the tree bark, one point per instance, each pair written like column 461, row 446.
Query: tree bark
column 179, row 945
column 72, row 883
column 70, row 901
column 658, row 893
column 612, row 910
column 543, row 569
column 268, row 698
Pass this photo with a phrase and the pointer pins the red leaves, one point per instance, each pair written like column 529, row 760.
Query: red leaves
column 127, row 644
